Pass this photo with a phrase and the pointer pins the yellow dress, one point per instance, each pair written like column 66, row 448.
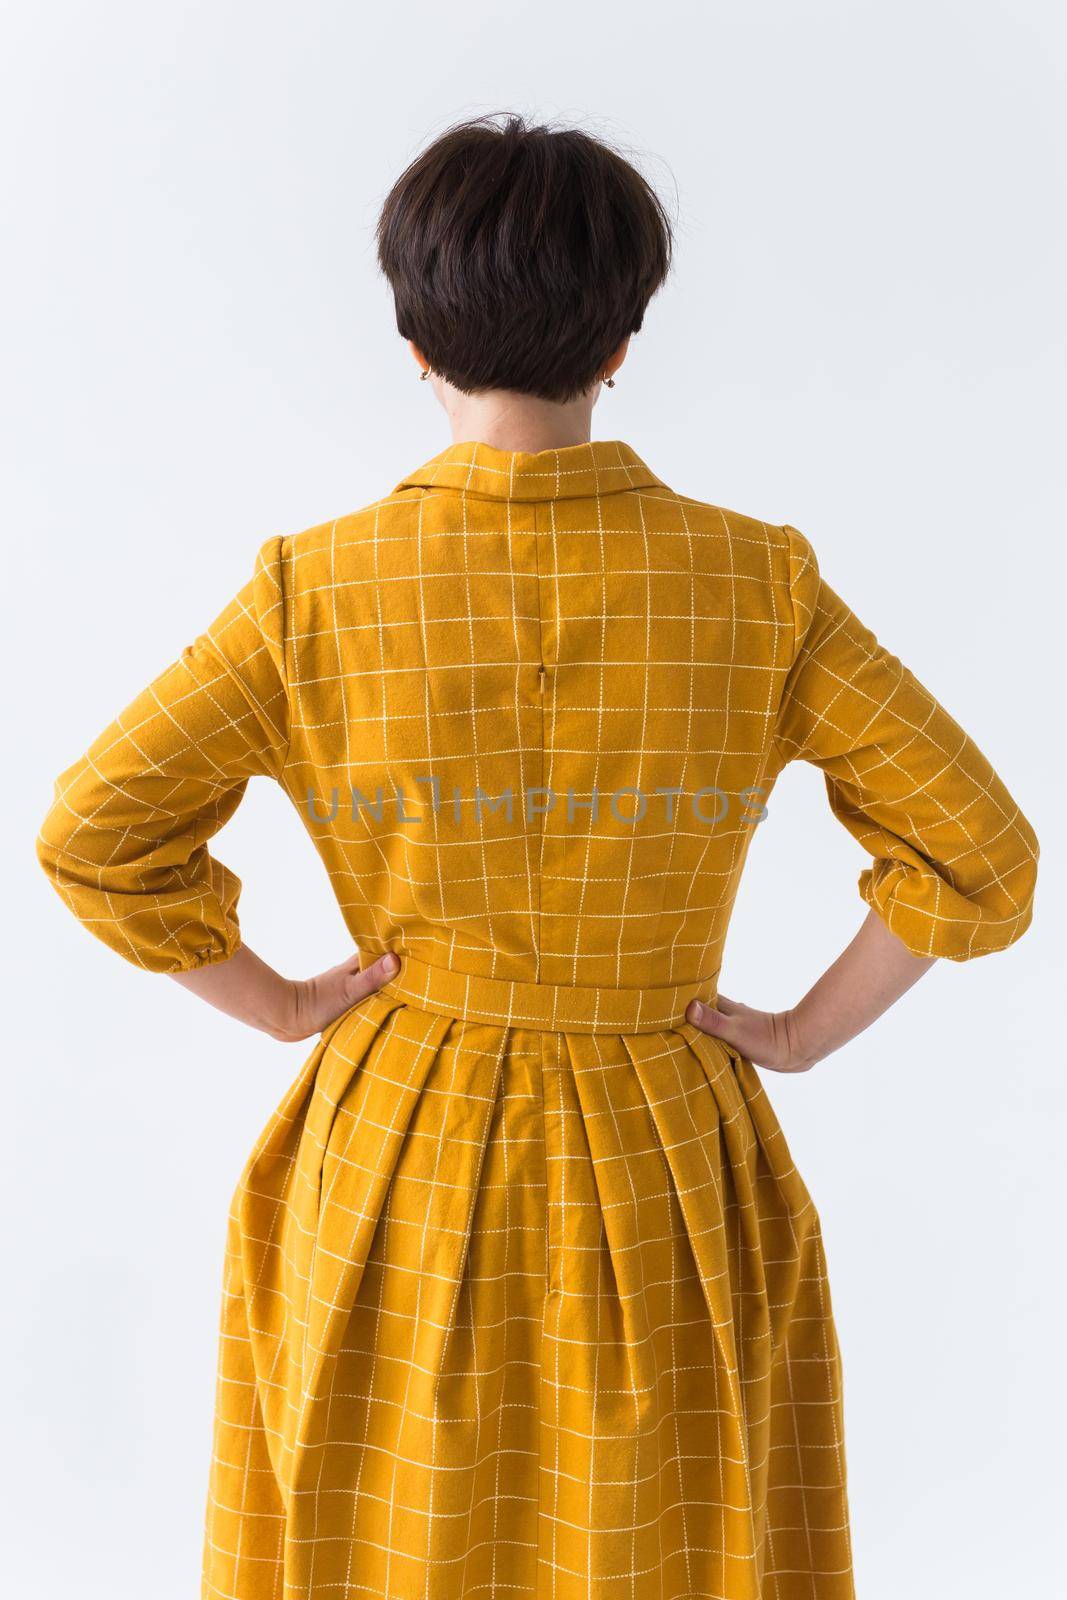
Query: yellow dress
column 523, row 1293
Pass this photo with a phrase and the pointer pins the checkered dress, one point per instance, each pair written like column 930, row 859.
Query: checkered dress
column 523, row 1293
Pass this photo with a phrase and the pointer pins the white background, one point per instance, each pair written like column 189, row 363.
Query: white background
column 863, row 336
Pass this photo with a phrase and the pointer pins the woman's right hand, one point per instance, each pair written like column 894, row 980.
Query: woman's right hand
column 873, row 971
column 766, row 1038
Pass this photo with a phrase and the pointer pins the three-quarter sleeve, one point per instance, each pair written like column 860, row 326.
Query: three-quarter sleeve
column 125, row 841
column 954, row 858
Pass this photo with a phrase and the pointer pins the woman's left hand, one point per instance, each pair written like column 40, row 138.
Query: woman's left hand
column 313, row 1003
column 289, row 1009
column 767, row 1038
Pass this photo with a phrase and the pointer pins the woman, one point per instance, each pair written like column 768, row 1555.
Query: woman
column 523, row 1293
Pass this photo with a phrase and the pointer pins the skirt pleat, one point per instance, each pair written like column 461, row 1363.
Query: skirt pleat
column 510, row 1312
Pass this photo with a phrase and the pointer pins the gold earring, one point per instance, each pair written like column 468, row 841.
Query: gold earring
column 424, row 374
column 610, row 382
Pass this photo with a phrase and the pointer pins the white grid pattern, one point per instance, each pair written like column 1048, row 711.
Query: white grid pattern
column 523, row 1293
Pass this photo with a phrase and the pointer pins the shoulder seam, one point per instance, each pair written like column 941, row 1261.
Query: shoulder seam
column 282, row 555
column 787, row 532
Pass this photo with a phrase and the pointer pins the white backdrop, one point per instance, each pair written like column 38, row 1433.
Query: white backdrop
column 863, row 336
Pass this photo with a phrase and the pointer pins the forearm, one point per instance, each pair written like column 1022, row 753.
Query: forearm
column 872, row 972
column 243, row 986
column 288, row 1009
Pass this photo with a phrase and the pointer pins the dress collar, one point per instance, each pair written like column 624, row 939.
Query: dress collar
column 602, row 466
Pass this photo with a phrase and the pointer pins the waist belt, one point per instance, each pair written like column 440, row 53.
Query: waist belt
column 550, row 1007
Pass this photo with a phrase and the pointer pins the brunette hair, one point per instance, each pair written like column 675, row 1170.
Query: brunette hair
column 521, row 256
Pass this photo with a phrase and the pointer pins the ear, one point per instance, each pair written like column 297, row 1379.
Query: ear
column 617, row 359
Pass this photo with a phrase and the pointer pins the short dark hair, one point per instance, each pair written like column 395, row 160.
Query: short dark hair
column 520, row 256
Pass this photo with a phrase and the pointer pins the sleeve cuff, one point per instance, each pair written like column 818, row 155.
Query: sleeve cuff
column 931, row 919
column 211, row 955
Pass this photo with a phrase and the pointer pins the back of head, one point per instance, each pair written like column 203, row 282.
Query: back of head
column 520, row 257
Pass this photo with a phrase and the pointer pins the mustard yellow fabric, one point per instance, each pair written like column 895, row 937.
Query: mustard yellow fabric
column 523, row 1292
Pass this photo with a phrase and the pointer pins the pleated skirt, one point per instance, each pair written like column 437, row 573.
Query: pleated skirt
column 512, row 1310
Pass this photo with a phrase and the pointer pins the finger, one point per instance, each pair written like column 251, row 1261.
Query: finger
column 716, row 1023
column 365, row 980
column 342, row 986
column 335, row 978
column 349, row 966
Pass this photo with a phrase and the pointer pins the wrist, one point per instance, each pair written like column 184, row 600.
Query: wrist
column 276, row 1009
column 802, row 1049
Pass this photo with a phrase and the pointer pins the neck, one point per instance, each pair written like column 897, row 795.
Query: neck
column 508, row 421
